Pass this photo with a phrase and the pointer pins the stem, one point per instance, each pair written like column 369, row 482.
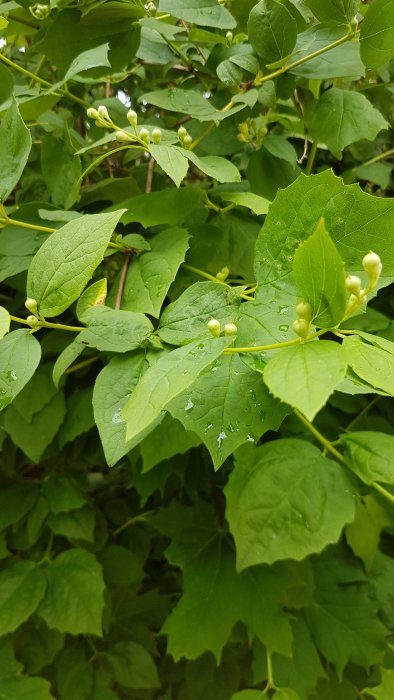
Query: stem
column 383, row 492
column 19, row 320
column 81, row 365
column 376, row 159
column 362, row 413
column 311, row 158
column 202, row 273
column 270, row 675
column 149, row 175
column 48, row 324
column 274, row 346
column 122, row 280
column 6, row 221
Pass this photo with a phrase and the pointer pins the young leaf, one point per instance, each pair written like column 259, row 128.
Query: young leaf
column 112, row 330
column 20, row 354
column 15, row 145
column 205, row 13
column 95, row 295
column 372, row 364
column 22, row 587
column 377, row 34
column 370, row 455
column 342, row 117
column 171, row 160
column 166, row 379
column 272, row 30
column 305, row 375
column 218, row 168
column 285, row 501
column 74, row 575
column 189, row 102
column 67, row 259
column 320, row 277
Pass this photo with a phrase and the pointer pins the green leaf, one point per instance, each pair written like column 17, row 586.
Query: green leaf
column 187, row 318
column 67, row 259
column 372, row 364
column 303, row 668
column 247, row 695
column 98, row 56
column 76, row 576
column 133, row 667
column 370, row 455
column 20, row 354
column 95, row 295
column 61, row 170
column 218, row 168
column 112, row 330
column 21, row 687
column 15, row 503
column 77, row 524
column 258, row 205
column 74, row 673
column 120, row 566
column 377, row 34
column 169, row 206
column 341, row 62
column 4, row 322
column 286, row 694
column 151, row 273
column 205, row 13
column 168, row 439
column 65, row 359
column 188, row 102
column 284, row 500
column 3, row 23
column 385, row 689
column 227, row 406
column 33, row 437
column 79, row 417
column 305, row 375
column 15, row 145
column 320, row 277
column 171, row 160
column 333, row 12
column 272, row 30
column 62, row 494
column 342, row 117
column 344, row 611
column 22, row 587
column 173, row 373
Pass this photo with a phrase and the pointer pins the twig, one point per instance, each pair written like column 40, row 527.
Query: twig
column 122, row 280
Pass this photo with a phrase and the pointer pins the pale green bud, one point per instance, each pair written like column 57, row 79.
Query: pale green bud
column 372, row 265
column 214, row 327
column 243, row 128
column 230, row 329
column 31, row 305
column 92, row 113
column 304, row 310
column 123, row 136
column 132, row 117
column 223, row 274
column 156, row 135
column 229, row 38
column 144, row 135
column 182, row 132
column 353, row 285
column 301, row 327
column 33, row 322
column 103, row 113
column 187, row 141
column 151, row 8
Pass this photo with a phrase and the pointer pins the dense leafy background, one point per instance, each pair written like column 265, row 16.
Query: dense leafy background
column 173, row 526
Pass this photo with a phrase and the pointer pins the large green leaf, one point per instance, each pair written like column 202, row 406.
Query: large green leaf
column 167, row 206
column 341, row 62
column 333, row 12
column 15, row 145
column 285, row 501
column 372, row 364
column 151, row 273
column 228, row 405
column 133, row 667
column 377, row 34
column 305, row 375
column 171, row 160
column 189, row 102
column 168, row 439
column 205, row 13
column 113, row 330
column 74, row 673
column 370, row 455
column 20, row 354
column 172, row 374
column 319, row 275
column 272, row 30
column 61, row 169
column 342, row 117
column 74, row 575
column 22, row 587
column 385, row 689
column 34, row 436
column 66, row 261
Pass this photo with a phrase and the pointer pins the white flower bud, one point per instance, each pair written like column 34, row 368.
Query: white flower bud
column 304, row 310
column 103, row 113
column 229, row 38
column 230, row 329
column 31, row 305
column 187, row 141
column 132, row 117
column 151, row 8
column 372, row 265
column 156, row 135
column 182, row 132
column 33, row 322
column 214, row 327
column 301, row 327
column 123, row 136
column 92, row 113
column 353, row 285
column 144, row 135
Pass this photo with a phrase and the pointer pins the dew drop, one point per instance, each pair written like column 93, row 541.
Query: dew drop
column 250, row 438
column 222, row 436
column 189, row 406
column 117, row 418
column 208, row 426
column 283, row 328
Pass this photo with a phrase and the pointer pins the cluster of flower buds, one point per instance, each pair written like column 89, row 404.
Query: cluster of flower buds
column 100, row 115
column 249, row 131
column 40, row 11
column 33, row 320
column 215, row 328
column 223, row 274
column 229, row 38
column 151, row 8
column 184, row 137
column 302, row 324
column 372, row 265
column 102, row 119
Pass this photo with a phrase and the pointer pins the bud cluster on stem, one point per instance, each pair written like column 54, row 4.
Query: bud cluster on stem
column 372, row 265
column 302, row 324
column 215, row 329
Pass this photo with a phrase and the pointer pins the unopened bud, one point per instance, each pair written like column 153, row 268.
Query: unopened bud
column 304, row 310
column 243, row 138
column 132, row 117
column 123, row 136
column 243, row 128
column 229, row 38
column 372, row 265
column 156, row 135
column 223, row 274
column 103, row 113
column 182, row 132
column 187, row 141
column 301, row 327
column 230, row 329
column 92, row 113
column 214, row 327
column 151, row 8
column 144, row 135
column 33, row 322
column 353, row 285
column 31, row 305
